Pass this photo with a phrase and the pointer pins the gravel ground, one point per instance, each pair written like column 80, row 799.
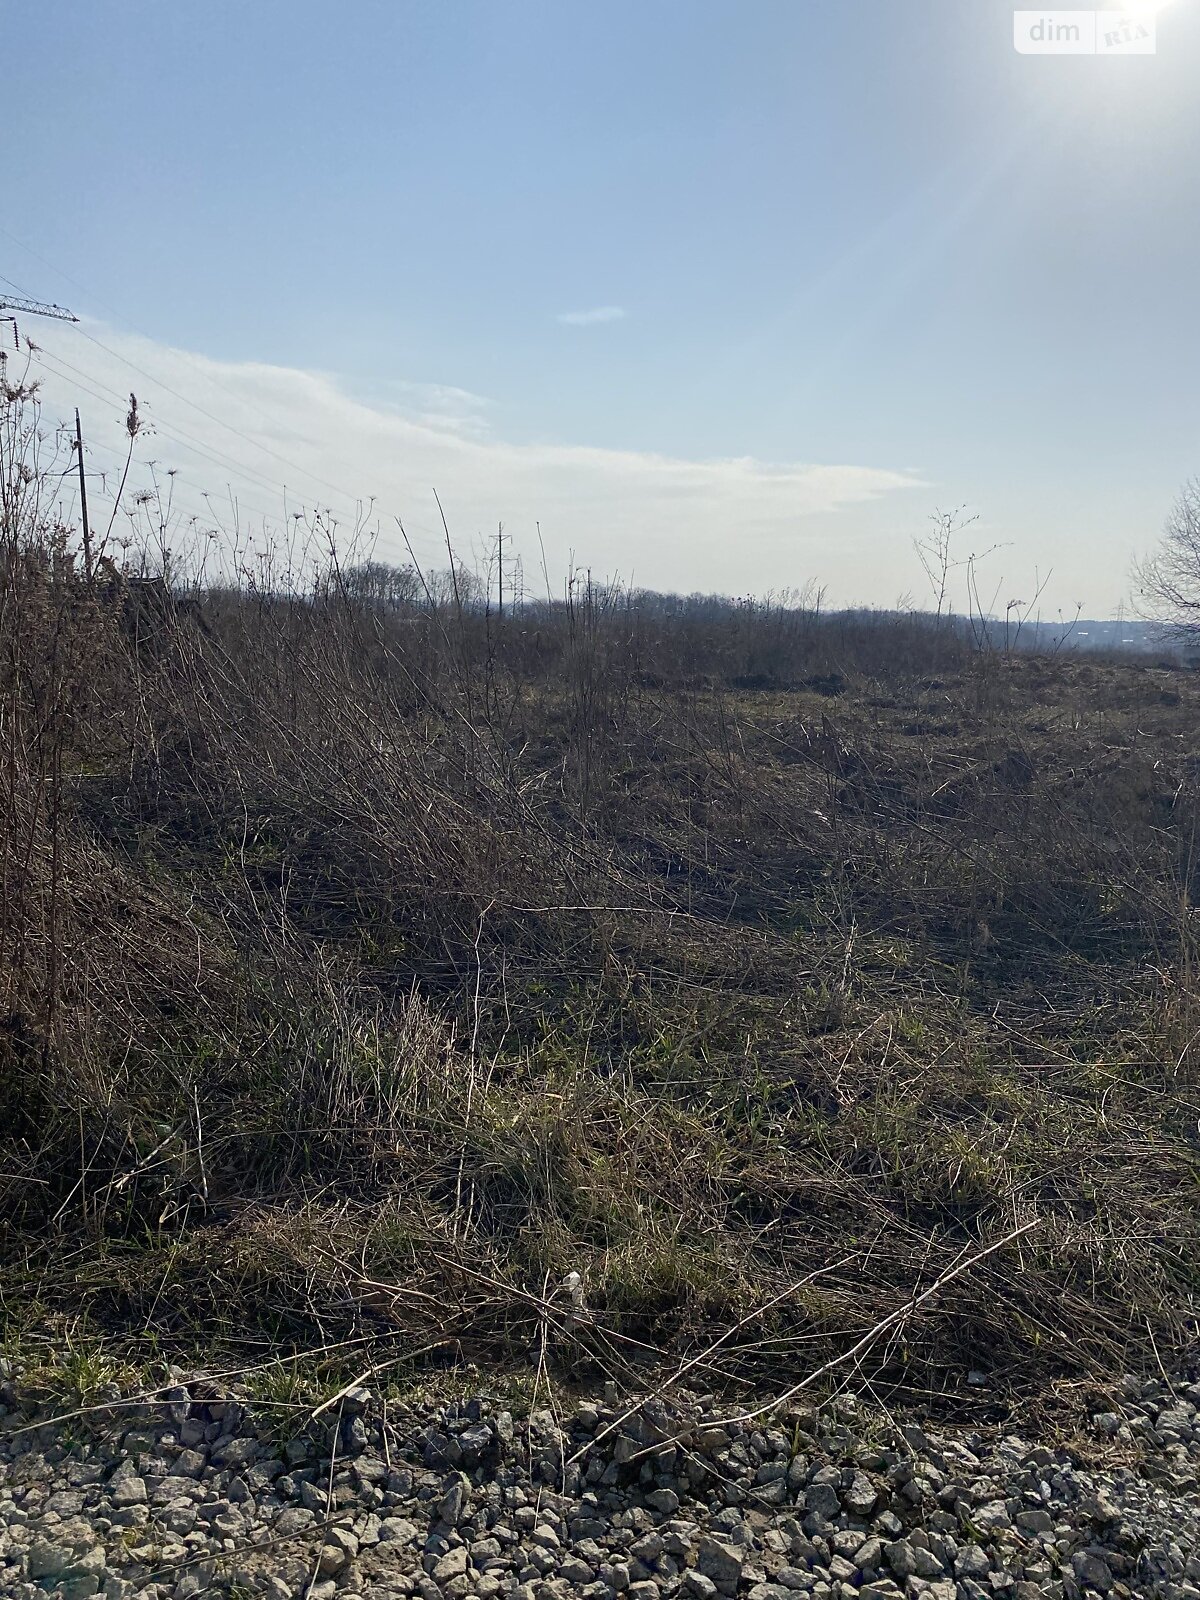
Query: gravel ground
column 196, row 1495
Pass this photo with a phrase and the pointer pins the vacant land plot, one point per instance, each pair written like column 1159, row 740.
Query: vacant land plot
column 370, row 969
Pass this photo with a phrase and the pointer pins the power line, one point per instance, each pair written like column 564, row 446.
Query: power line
column 212, row 417
column 99, row 390
column 184, row 354
column 354, row 517
column 29, row 250
column 15, row 287
column 179, row 485
column 180, row 436
column 214, row 507
column 35, row 308
column 28, row 307
column 220, row 421
column 171, row 430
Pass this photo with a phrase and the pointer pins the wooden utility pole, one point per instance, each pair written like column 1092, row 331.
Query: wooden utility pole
column 500, row 567
column 87, row 532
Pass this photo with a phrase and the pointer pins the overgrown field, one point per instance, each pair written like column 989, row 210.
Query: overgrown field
column 368, row 967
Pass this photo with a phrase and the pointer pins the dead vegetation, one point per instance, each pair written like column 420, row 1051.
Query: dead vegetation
column 371, row 963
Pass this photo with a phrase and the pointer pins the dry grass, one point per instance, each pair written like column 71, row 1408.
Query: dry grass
column 370, row 966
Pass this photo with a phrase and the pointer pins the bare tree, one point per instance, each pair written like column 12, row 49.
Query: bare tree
column 379, row 584
column 1168, row 581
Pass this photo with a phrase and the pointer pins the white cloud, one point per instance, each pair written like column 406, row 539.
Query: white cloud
column 736, row 524
column 588, row 319
column 438, row 404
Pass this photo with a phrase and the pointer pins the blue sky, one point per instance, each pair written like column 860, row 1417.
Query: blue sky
column 867, row 260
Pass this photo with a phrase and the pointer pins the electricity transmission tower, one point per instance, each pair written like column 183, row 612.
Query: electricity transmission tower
column 13, row 303
column 31, row 308
column 9, row 306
